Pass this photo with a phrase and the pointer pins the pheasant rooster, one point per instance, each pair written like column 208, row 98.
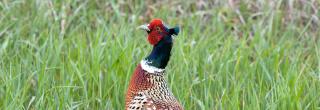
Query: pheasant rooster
column 148, row 89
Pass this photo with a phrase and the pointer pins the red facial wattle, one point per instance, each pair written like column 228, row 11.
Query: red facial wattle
column 156, row 31
column 154, row 37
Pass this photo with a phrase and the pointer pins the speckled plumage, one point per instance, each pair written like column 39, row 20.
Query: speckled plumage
column 149, row 91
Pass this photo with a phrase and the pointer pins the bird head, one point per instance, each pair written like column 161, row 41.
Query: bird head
column 157, row 31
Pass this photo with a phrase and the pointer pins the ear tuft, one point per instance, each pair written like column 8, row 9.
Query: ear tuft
column 174, row 31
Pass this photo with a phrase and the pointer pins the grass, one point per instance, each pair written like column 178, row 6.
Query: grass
column 229, row 55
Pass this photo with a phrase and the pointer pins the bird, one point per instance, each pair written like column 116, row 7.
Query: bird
column 148, row 89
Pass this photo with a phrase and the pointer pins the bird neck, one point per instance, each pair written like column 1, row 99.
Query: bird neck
column 160, row 53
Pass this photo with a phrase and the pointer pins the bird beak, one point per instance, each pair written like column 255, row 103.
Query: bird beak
column 144, row 27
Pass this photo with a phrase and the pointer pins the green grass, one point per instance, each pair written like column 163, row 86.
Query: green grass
column 80, row 55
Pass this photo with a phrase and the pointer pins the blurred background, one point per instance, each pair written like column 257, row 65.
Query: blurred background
column 231, row 54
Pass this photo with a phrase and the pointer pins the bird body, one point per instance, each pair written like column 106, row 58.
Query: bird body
column 148, row 88
column 150, row 91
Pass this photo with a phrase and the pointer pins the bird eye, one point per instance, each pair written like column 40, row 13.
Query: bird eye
column 158, row 29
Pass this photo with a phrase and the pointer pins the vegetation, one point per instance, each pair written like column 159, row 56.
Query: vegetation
column 262, row 54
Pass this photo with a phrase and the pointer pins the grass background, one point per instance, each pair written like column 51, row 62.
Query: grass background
column 262, row 54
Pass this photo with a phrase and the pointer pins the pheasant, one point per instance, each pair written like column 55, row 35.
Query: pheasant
column 148, row 89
